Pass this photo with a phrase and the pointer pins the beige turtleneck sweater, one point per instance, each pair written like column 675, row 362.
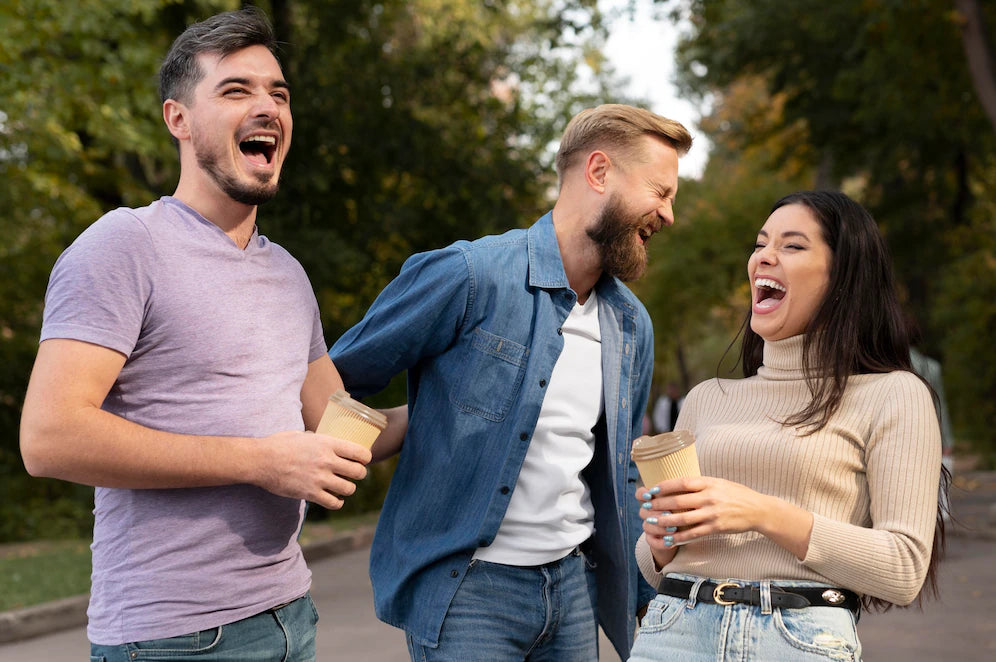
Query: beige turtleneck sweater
column 870, row 477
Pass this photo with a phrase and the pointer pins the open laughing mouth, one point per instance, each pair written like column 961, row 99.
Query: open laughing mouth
column 259, row 149
column 646, row 232
column 768, row 293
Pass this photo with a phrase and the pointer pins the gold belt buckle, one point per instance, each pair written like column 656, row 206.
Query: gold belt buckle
column 717, row 593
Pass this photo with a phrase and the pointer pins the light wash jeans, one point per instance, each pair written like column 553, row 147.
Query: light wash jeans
column 686, row 630
column 504, row 613
column 286, row 634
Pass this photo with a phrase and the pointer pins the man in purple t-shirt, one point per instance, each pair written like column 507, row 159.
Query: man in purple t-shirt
column 181, row 365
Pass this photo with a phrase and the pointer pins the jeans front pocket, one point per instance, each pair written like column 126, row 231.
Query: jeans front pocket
column 490, row 378
column 828, row 632
column 196, row 643
column 662, row 612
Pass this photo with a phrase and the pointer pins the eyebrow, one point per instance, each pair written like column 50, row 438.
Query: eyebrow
column 235, row 80
column 789, row 233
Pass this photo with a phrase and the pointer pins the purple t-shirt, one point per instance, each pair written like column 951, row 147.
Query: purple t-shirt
column 218, row 342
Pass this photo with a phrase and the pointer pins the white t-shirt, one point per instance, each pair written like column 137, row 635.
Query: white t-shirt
column 550, row 511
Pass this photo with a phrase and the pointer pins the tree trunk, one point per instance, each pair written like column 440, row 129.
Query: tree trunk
column 979, row 53
column 679, row 355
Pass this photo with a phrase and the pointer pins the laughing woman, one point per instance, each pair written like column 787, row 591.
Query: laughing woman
column 823, row 464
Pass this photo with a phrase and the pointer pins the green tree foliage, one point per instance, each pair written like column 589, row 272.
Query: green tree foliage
column 416, row 123
column 887, row 107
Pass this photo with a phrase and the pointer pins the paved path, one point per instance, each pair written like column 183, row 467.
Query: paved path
column 961, row 627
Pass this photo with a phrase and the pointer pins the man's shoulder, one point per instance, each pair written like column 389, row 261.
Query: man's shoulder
column 121, row 229
column 281, row 255
column 477, row 255
column 495, row 242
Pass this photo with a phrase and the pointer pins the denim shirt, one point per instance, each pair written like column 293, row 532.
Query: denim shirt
column 477, row 326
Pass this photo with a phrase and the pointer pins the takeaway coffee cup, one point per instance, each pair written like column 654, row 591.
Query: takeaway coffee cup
column 351, row 420
column 664, row 456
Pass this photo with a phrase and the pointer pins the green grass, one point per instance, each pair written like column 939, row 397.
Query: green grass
column 33, row 573
column 37, row 572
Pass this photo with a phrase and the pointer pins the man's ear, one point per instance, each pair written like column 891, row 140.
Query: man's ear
column 176, row 117
column 596, row 170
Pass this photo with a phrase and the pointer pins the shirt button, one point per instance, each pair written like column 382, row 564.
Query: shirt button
column 523, row 436
column 454, row 573
column 483, row 542
column 542, row 383
column 504, row 489
column 560, row 331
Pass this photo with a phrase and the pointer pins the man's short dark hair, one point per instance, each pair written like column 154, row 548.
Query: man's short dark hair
column 222, row 34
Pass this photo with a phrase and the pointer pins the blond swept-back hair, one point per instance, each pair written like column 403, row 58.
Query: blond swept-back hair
column 617, row 128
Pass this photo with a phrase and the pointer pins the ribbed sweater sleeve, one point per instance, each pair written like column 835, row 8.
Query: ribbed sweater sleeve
column 870, row 477
column 902, row 466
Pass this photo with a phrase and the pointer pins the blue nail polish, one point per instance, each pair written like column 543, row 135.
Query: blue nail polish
column 651, row 520
column 647, row 505
column 666, row 512
column 670, row 529
column 668, row 541
column 655, row 490
column 647, row 496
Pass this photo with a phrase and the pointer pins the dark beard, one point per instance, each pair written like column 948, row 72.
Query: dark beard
column 247, row 194
column 613, row 234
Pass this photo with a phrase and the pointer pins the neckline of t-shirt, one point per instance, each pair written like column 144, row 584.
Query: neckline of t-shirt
column 183, row 208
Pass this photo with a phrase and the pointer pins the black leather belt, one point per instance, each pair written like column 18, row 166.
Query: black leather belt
column 797, row 597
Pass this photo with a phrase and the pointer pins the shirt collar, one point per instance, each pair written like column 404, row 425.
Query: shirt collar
column 546, row 267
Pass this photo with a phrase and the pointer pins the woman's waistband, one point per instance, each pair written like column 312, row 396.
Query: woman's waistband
column 785, row 594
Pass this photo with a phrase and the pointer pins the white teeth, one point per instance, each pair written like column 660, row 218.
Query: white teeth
column 767, row 282
column 261, row 139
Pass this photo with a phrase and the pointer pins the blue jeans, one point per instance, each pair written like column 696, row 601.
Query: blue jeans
column 690, row 631
column 285, row 634
column 503, row 613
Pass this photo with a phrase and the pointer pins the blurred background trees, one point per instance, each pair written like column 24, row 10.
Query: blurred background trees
column 422, row 121
column 892, row 102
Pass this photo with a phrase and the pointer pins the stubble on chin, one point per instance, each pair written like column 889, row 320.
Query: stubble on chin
column 247, row 193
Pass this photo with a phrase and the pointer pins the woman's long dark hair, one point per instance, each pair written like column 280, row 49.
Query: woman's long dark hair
column 860, row 327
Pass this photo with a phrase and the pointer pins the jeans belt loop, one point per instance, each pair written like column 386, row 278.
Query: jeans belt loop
column 766, row 597
column 693, row 593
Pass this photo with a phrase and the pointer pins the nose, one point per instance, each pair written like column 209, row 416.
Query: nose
column 766, row 256
column 266, row 106
column 666, row 214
